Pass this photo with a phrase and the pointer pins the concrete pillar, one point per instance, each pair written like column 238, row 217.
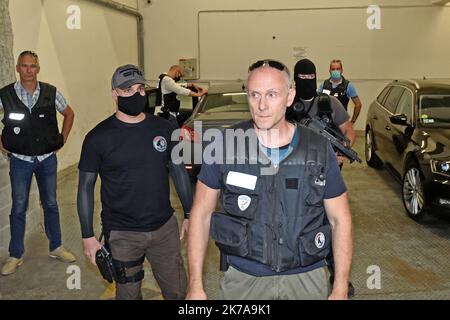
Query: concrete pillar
column 7, row 74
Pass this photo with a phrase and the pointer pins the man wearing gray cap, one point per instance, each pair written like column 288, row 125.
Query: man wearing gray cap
column 131, row 151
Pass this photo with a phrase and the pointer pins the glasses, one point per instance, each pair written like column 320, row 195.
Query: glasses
column 271, row 63
column 307, row 76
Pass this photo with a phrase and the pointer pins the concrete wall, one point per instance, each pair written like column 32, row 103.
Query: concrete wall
column 79, row 62
column 6, row 76
column 227, row 36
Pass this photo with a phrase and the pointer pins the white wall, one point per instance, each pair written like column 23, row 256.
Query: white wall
column 78, row 62
column 226, row 36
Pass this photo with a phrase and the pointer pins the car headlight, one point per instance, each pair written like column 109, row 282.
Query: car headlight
column 440, row 167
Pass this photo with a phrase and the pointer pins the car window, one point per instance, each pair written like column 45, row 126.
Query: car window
column 435, row 110
column 185, row 103
column 393, row 97
column 226, row 102
column 405, row 105
column 151, row 96
column 383, row 94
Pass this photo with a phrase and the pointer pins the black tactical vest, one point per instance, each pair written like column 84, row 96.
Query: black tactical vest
column 171, row 103
column 30, row 133
column 280, row 221
column 340, row 92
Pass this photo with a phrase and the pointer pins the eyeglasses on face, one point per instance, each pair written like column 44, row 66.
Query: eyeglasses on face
column 271, row 63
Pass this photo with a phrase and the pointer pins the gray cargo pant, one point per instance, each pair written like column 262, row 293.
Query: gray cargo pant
column 162, row 249
column 312, row 285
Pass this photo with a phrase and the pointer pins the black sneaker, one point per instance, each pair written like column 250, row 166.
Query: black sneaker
column 351, row 290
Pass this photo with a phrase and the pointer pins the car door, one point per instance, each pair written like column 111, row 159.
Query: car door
column 382, row 127
column 187, row 106
column 401, row 134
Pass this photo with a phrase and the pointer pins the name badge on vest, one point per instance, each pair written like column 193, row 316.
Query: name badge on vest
column 242, row 180
column 326, row 91
column 16, row 116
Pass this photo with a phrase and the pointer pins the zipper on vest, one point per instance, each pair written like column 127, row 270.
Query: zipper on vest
column 276, row 238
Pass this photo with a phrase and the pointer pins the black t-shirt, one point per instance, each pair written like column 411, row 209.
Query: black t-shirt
column 131, row 160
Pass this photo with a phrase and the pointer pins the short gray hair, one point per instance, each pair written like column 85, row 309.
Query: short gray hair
column 28, row 53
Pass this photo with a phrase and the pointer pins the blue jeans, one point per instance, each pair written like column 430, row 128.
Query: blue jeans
column 21, row 173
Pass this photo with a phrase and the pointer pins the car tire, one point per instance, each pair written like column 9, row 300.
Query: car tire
column 413, row 194
column 371, row 158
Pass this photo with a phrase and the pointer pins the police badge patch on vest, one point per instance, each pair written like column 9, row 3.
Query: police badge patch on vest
column 319, row 240
column 243, row 202
column 16, row 130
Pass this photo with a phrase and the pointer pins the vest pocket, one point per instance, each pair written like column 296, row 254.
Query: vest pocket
column 316, row 190
column 13, row 138
column 230, row 234
column 240, row 204
column 54, row 142
column 314, row 245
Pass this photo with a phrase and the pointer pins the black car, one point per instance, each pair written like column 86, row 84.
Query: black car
column 408, row 130
column 220, row 108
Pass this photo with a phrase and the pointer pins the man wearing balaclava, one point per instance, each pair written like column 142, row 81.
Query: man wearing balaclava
column 306, row 101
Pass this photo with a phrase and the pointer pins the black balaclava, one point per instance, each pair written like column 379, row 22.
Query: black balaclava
column 305, row 89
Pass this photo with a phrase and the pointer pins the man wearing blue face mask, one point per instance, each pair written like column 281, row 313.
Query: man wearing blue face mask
column 131, row 152
column 341, row 88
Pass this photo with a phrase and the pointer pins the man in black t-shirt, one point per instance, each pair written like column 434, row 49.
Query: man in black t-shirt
column 131, row 151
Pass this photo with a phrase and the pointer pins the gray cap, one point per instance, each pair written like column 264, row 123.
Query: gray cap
column 126, row 76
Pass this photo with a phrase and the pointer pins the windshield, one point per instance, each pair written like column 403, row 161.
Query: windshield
column 225, row 102
column 435, row 110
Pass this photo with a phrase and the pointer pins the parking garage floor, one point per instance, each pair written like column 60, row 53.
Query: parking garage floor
column 395, row 257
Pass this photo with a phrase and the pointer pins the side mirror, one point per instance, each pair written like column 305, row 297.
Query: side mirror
column 400, row 119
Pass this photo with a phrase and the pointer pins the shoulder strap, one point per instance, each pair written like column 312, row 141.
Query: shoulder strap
column 327, row 85
column 47, row 95
column 158, row 101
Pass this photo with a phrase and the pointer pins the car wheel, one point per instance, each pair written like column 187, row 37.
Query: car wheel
column 371, row 158
column 412, row 192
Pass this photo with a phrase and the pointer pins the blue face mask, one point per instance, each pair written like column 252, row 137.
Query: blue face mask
column 335, row 74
